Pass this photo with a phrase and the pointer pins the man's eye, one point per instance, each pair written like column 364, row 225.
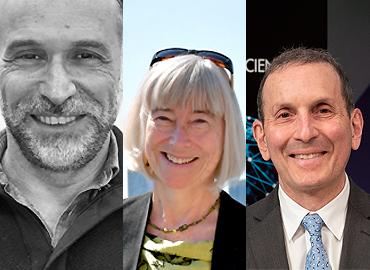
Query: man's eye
column 324, row 111
column 87, row 56
column 28, row 56
column 25, row 59
column 284, row 115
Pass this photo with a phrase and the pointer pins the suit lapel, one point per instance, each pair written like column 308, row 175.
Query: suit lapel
column 356, row 241
column 266, row 238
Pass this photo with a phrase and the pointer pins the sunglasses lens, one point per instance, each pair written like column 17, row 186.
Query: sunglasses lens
column 167, row 54
column 218, row 59
column 216, row 62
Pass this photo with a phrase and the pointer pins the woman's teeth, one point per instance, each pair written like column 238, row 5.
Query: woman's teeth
column 177, row 160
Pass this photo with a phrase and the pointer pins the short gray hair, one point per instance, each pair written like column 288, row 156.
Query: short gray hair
column 180, row 81
column 302, row 55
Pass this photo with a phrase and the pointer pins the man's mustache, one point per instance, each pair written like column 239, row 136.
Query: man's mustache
column 317, row 144
column 40, row 105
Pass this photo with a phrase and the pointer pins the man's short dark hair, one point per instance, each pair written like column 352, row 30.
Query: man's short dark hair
column 304, row 55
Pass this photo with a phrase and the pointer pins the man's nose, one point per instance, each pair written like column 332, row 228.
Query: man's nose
column 180, row 136
column 57, row 86
column 306, row 128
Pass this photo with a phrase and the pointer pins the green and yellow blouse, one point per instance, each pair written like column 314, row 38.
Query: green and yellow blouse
column 159, row 254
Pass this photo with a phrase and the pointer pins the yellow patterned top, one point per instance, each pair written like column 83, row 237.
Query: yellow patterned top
column 159, row 254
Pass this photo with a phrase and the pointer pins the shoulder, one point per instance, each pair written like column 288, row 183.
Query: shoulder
column 231, row 218
column 259, row 210
column 137, row 202
column 231, row 213
column 358, row 192
column 227, row 202
column 230, row 235
column 359, row 200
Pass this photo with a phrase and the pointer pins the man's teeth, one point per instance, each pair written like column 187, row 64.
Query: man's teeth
column 52, row 120
column 307, row 156
column 179, row 160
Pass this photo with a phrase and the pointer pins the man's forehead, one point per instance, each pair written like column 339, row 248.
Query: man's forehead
column 59, row 3
column 302, row 83
column 25, row 16
column 301, row 75
column 15, row 11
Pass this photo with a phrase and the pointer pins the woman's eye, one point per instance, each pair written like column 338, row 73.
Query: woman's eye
column 200, row 121
column 200, row 124
column 162, row 118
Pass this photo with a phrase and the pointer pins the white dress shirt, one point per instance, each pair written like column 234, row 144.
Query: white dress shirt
column 297, row 240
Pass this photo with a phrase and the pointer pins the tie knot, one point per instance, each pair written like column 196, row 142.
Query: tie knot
column 313, row 224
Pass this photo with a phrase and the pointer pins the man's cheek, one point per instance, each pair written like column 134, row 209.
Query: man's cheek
column 12, row 90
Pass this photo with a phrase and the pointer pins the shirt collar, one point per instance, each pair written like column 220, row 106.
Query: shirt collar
column 333, row 213
column 111, row 166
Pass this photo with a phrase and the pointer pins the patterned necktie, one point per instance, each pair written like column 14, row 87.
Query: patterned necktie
column 317, row 257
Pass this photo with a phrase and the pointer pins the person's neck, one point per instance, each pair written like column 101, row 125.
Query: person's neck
column 49, row 192
column 172, row 208
column 315, row 198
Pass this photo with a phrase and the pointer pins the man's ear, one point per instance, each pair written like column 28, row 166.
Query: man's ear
column 357, row 124
column 260, row 137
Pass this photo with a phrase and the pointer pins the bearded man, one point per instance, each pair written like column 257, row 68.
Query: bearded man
column 60, row 170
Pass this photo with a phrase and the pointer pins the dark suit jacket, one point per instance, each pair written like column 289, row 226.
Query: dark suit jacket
column 229, row 243
column 265, row 235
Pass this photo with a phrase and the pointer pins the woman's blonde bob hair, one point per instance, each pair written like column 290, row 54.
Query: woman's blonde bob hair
column 179, row 82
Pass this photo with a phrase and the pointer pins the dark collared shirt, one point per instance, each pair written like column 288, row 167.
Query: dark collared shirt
column 84, row 197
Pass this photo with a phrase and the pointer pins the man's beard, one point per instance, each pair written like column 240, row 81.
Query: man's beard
column 61, row 151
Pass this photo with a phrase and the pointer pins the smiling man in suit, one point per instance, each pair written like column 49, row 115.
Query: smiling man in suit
column 316, row 218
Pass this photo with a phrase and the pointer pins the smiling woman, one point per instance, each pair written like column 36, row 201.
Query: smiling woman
column 202, row 89
column 186, row 134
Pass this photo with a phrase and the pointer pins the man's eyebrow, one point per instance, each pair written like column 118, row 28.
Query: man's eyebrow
column 22, row 43
column 34, row 43
column 283, row 105
column 286, row 105
column 92, row 44
column 321, row 101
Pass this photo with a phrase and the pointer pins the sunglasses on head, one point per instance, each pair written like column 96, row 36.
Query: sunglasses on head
column 218, row 59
